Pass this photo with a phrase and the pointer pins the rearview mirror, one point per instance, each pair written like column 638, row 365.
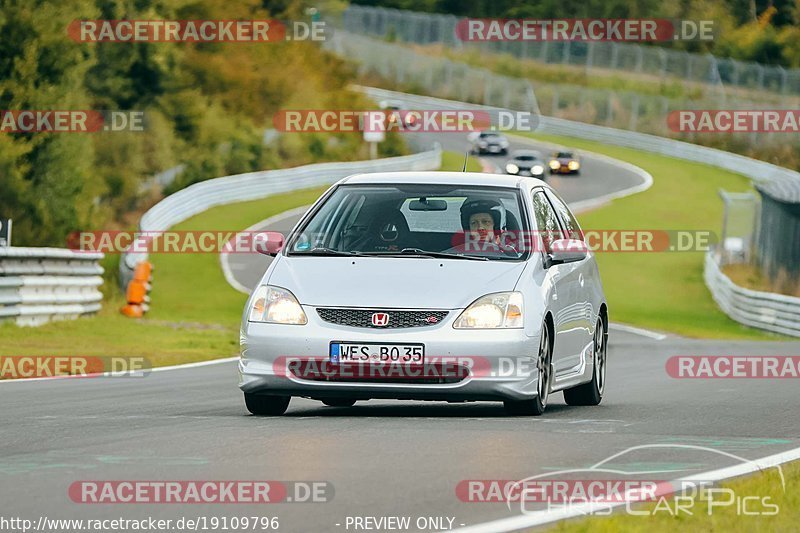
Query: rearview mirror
column 269, row 242
column 423, row 204
column 567, row 251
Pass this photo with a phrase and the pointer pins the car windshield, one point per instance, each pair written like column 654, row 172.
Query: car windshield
column 564, row 154
column 414, row 220
column 525, row 158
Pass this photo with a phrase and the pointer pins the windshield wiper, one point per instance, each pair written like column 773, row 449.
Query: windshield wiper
column 320, row 250
column 426, row 253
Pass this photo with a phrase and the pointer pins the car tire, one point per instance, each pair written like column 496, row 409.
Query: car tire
column 591, row 393
column 339, row 402
column 263, row 405
column 577, row 172
column 544, row 363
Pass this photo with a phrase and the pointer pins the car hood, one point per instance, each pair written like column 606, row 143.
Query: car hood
column 404, row 282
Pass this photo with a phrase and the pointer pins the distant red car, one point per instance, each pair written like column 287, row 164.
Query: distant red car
column 565, row 163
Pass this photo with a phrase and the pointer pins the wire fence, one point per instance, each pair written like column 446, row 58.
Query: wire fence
column 431, row 28
column 435, row 75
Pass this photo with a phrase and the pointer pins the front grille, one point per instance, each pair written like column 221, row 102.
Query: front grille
column 362, row 318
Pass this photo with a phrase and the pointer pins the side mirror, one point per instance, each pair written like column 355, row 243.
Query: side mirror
column 567, row 251
column 269, row 243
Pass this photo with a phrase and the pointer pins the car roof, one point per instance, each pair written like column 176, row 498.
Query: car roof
column 437, row 178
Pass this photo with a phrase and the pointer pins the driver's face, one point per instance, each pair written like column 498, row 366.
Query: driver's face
column 481, row 222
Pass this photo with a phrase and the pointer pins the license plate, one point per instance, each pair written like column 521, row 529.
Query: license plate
column 356, row 352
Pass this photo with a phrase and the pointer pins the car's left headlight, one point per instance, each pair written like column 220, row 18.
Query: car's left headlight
column 574, row 165
column 498, row 310
column 511, row 168
column 276, row 306
column 537, row 169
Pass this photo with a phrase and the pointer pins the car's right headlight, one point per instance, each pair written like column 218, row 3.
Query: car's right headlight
column 276, row 306
column 511, row 168
column 555, row 165
column 498, row 310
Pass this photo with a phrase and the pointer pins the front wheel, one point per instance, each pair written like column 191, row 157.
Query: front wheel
column 262, row 405
column 536, row 406
column 592, row 393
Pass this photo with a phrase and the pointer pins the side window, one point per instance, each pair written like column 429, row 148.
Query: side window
column 571, row 228
column 547, row 224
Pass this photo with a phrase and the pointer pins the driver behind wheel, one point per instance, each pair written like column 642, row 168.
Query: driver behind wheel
column 482, row 221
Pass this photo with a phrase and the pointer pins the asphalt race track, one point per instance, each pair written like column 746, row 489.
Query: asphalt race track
column 382, row 458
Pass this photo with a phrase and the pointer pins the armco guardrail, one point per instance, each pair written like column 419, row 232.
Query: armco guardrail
column 229, row 189
column 42, row 284
column 764, row 310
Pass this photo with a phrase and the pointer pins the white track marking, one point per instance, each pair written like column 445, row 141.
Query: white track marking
column 638, row 331
column 223, row 256
column 540, row 518
column 123, row 374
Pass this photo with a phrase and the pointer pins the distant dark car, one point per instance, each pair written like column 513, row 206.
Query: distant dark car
column 397, row 111
column 565, row 163
column 489, row 142
column 526, row 163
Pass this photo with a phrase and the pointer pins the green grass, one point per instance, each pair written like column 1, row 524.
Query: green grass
column 722, row 518
column 194, row 313
column 664, row 291
column 455, row 162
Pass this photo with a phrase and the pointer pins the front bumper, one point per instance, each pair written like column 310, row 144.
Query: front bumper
column 563, row 169
column 502, row 360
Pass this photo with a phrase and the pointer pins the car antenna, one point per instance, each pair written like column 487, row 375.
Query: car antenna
column 466, row 157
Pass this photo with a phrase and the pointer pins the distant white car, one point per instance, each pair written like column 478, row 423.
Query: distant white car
column 377, row 275
column 526, row 163
column 488, row 142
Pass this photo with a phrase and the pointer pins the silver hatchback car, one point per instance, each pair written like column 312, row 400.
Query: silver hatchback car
column 428, row 286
